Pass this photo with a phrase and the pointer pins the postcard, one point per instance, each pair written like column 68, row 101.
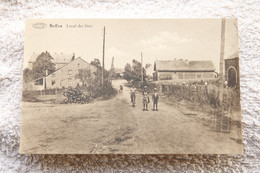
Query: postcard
column 131, row 86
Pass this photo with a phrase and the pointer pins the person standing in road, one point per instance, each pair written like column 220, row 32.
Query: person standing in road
column 146, row 99
column 155, row 98
column 132, row 95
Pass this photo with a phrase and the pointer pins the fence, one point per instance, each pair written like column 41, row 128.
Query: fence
column 208, row 95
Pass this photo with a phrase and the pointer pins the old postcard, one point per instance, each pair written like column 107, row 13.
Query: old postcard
column 131, row 86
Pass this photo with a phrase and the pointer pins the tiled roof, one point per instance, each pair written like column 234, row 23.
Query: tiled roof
column 182, row 65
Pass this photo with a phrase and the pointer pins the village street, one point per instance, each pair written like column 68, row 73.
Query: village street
column 114, row 126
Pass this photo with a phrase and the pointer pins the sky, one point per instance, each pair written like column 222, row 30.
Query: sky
column 125, row 39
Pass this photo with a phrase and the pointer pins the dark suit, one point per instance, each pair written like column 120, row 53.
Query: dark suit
column 155, row 98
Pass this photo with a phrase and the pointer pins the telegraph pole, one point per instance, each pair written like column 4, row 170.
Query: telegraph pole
column 142, row 75
column 221, row 63
column 111, row 74
column 221, row 69
column 103, row 60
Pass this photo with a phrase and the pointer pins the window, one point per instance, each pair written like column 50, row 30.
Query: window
column 208, row 75
column 180, row 75
column 70, row 72
column 165, row 76
column 38, row 82
column 187, row 76
column 190, row 75
column 53, row 82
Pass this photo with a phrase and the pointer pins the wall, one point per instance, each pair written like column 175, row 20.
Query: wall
column 62, row 76
column 232, row 63
column 187, row 76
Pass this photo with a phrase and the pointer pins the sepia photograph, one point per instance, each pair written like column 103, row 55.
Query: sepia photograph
column 131, row 86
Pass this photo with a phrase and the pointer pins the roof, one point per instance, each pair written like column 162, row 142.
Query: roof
column 58, row 58
column 79, row 58
column 182, row 65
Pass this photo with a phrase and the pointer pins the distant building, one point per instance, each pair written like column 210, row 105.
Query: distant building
column 232, row 70
column 64, row 76
column 59, row 59
column 118, row 72
column 179, row 70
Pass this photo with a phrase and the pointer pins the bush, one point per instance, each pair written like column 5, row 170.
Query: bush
column 29, row 96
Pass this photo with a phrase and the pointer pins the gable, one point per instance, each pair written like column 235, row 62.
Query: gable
column 75, row 65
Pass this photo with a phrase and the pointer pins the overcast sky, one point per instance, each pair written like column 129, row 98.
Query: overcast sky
column 157, row 39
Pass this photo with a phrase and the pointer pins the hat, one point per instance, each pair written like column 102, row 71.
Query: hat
column 155, row 89
column 145, row 86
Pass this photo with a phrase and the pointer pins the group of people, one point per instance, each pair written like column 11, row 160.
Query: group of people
column 146, row 99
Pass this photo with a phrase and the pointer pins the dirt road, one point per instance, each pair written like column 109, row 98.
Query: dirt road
column 114, row 126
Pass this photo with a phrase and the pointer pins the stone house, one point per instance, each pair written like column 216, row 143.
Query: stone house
column 179, row 70
column 64, row 76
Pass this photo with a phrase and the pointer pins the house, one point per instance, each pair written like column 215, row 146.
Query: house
column 180, row 70
column 64, row 76
column 118, row 72
column 59, row 59
column 232, row 70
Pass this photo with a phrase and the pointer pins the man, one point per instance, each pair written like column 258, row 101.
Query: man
column 146, row 99
column 121, row 89
column 132, row 94
column 155, row 98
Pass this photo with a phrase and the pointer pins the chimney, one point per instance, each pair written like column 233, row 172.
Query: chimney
column 46, row 72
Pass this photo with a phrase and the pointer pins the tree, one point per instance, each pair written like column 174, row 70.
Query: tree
column 128, row 72
column 27, row 75
column 147, row 65
column 85, row 76
column 96, row 63
column 42, row 64
column 136, row 73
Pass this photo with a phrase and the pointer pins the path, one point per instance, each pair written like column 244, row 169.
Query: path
column 113, row 126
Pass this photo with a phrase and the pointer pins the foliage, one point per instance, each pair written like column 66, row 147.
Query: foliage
column 27, row 75
column 85, row 76
column 92, row 81
column 96, row 63
column 42, row 64
column 75, row 95
column 134, row 72
column 128, row 72
column 29, row 96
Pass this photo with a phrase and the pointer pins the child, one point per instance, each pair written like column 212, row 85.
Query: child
column 155, row 98
column 146, row 99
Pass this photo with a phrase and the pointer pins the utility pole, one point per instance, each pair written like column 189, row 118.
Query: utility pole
column 221, row 69
column 142, row 75
column 103, row 60
column 112, row 70
column 221, row 63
